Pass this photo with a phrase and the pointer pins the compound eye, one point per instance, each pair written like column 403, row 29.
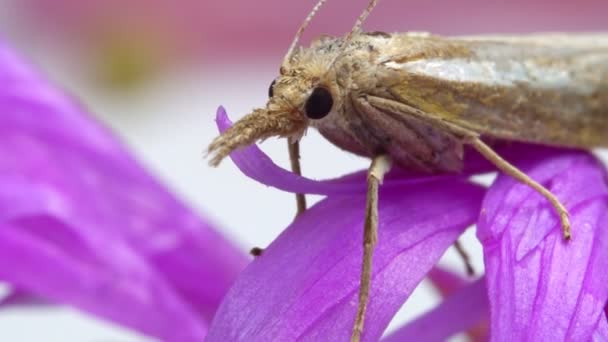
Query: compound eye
column 271, row 88
column 319, row 103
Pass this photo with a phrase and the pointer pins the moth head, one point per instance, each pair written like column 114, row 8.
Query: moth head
column 304, row 94
column 295, row 100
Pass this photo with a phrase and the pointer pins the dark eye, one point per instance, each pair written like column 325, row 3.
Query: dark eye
column 319, row 103
column 271, row 88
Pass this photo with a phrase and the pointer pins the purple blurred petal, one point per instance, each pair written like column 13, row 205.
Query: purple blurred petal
column 540, row 287
column 131, row 294
column 305, row 284
column 457, row 313
column 68, row 185
column 446, row 282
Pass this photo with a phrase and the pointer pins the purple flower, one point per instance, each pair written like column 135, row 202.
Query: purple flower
column 90, row 228
column 305, row 285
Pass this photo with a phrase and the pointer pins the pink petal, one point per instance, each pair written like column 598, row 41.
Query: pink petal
column 304, row 286
column 69, row 187
column 541, row 287
column 459, row 312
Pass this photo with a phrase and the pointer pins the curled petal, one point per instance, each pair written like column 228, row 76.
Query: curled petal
column 304, row 286
column 540, row 286
column 256, row 165
column 68, row 185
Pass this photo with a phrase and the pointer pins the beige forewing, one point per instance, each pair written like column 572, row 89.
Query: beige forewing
column 550, row 89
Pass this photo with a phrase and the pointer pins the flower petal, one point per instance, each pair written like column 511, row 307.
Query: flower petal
column 457, row 313
column 59, row 168
column 305, row 284
column 540, row 286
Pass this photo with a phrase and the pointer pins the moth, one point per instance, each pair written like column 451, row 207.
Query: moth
column 415, row 100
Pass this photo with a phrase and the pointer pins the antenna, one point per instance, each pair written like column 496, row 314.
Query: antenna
column 301, row 30
column 356, row 29
column 360, row 20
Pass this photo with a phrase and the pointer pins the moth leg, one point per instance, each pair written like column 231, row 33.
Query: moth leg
column 514, row 172
column 294, row 158
column 465, row 258
column 472, row 138
column 379, row 167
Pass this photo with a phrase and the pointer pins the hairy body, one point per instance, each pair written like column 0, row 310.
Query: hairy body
column 391, row 91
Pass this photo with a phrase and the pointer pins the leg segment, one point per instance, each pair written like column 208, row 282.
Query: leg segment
column 379, row 167
column 514, row 172
column 294, row 158
column 465, row 258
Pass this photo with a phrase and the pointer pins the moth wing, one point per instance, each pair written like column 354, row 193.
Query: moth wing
column 554, row 92
column 415, row 139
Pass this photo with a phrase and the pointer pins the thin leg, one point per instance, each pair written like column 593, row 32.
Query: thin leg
column 514, row 172
column 379, row 167
column 294, row 158
column 465, row 258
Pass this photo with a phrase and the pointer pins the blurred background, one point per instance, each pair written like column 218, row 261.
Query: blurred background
column 156, row 70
